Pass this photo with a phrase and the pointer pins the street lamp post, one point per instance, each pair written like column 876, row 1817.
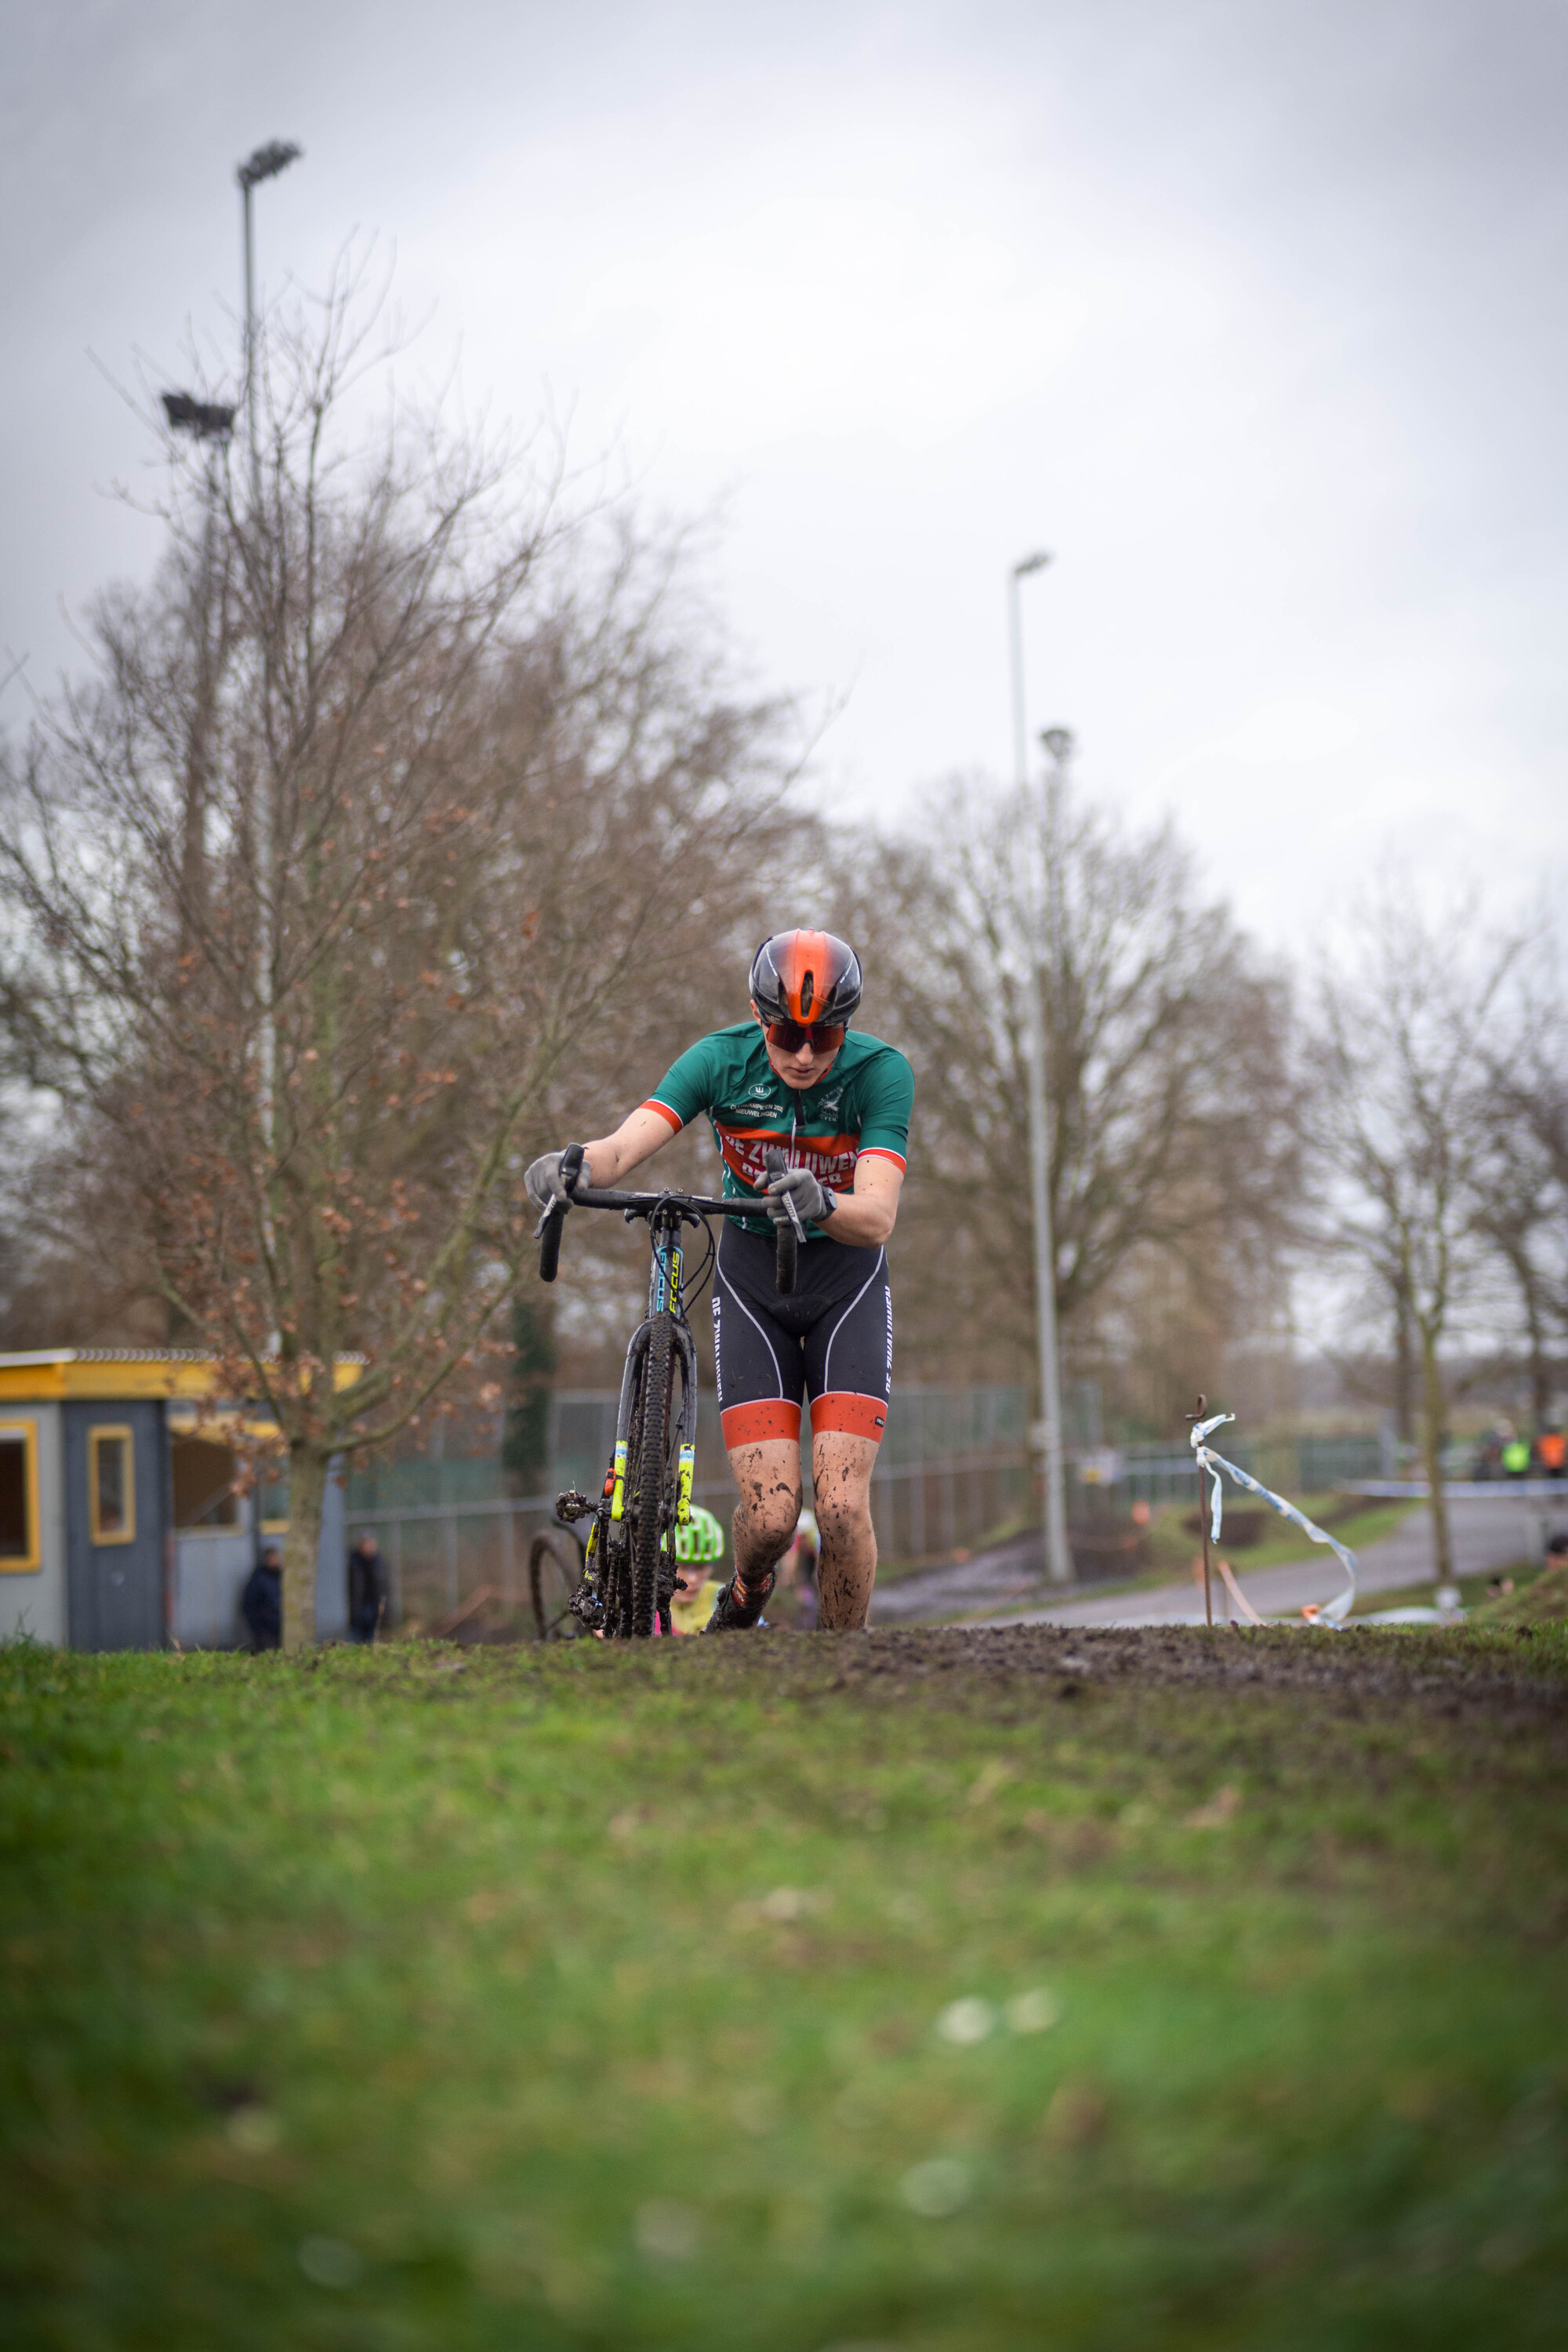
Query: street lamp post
column 1058, row 1557
column 263, row 165
column 210, row 424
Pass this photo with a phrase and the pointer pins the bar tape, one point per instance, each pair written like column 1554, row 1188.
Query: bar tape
column 1332, row 1612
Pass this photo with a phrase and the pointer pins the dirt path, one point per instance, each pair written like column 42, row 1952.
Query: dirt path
column 1012, row 1669
column 1006, row 1587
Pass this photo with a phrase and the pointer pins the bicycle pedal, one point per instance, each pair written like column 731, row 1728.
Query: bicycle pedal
column 573, row 1506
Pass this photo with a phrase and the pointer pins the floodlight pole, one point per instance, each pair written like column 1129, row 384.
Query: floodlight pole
column 250, row 340
column 263, row 165
column 1058, row 1557
column 210, row 422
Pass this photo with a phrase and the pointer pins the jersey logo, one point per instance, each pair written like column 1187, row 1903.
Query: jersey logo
column 830, row 1157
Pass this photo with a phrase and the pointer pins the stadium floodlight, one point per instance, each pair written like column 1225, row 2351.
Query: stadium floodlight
column 204, row 420
column 265, row 163
column 1048, row 1432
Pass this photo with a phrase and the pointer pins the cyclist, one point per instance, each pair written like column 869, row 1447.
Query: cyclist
column 838, row 1104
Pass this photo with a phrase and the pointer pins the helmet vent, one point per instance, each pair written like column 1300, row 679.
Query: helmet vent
column 806, row 989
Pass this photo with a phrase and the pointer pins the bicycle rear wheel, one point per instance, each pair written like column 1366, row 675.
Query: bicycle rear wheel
column 555, row 1572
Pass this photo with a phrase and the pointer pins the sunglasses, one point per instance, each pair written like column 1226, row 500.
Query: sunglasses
column 822, row 1036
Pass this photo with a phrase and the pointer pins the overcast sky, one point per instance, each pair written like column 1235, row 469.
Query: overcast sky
column 1252, row 314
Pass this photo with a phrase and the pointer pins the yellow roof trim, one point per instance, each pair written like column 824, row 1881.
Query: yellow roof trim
column 103, row 1374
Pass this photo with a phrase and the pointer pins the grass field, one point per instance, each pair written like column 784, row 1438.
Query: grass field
column 940, row 1990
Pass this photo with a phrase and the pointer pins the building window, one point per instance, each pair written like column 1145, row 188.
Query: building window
column 206, row 1479
column 19, row 1540
column 111, row 1484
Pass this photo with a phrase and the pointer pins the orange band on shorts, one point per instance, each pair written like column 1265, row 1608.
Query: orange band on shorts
column 755, row 1425
column 856, row 1416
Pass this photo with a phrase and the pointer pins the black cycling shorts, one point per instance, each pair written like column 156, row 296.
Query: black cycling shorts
column 831, row 1339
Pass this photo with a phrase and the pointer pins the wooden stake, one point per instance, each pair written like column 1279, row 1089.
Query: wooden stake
column 1202, row 1519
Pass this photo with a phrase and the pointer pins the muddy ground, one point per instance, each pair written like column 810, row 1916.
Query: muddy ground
column 1510, row 1672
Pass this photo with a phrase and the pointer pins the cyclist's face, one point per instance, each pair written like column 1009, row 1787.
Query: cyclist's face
column 801, row 1069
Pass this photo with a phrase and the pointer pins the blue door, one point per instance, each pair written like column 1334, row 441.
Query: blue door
column 115, row 1475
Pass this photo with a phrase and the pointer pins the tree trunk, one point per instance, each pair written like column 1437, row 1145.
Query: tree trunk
column 1433, row 1416
column 1403, row 1371
column 1539, row 1370
column 307, row 1493
column 525, row 1450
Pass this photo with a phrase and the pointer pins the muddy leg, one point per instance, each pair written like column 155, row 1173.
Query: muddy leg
column 841, row 1468
column 768, row 1476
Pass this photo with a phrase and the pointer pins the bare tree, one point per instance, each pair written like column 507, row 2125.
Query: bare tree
column 1399, row 1119
column 469, row 791
column 1167, row 1066
column 1519, row 1211
column 1525, row 1202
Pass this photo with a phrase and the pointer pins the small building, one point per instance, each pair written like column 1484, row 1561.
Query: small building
column 123, row 1525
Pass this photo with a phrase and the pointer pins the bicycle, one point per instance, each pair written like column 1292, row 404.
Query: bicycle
column 629, row 1562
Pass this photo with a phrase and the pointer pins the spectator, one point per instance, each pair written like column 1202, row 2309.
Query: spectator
column 696, row 1587
column 696, row 1594
column 261, row 1602
column 1552, row 1452
column 368, row 1594
column 1516, row 1458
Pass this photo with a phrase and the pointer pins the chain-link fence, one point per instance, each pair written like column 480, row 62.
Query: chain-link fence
column 953, row 1472
column 953, row 1469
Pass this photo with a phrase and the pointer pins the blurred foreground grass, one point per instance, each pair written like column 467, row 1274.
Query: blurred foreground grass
column 797, row 1992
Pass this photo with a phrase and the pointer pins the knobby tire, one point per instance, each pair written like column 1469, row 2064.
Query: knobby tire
column 650, row 1475
column 551, row 1584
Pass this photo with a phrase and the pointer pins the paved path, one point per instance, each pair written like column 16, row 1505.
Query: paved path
column 1005, row 1588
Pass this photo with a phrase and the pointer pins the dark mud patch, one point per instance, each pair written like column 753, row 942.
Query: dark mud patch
column 1005, row 1667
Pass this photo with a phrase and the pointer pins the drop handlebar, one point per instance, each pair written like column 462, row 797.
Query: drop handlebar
column 789, row 1230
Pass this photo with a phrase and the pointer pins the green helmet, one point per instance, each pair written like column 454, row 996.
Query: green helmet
column 702, row 1537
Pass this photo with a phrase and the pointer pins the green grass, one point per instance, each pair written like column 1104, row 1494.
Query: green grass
column 589, row 1998
column 1473, row 1591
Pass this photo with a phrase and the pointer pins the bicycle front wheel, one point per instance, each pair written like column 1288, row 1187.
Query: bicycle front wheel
column 653, row 1485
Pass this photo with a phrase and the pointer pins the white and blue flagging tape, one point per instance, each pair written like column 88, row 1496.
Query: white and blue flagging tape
column 1332, row 1612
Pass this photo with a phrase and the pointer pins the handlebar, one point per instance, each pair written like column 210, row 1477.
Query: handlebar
column 696, row 1204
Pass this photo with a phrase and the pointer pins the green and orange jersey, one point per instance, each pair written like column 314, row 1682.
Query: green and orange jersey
column 859, row 1109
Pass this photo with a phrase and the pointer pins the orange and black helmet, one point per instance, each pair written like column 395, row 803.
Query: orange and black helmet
column 806, row 977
